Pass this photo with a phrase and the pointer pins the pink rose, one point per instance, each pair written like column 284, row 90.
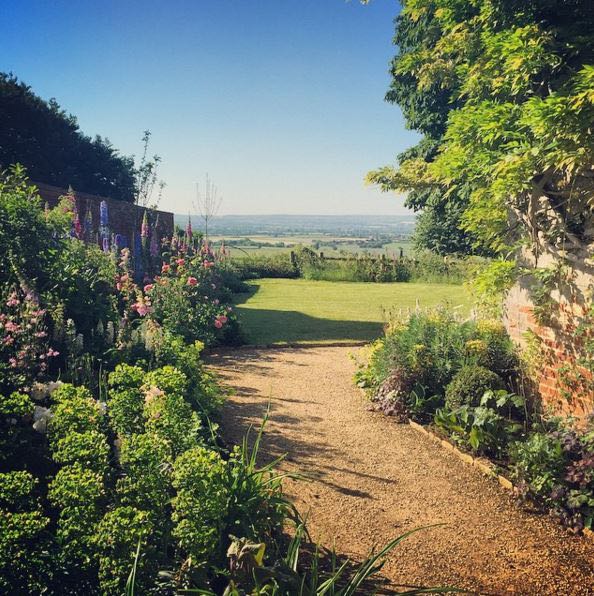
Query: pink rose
column 218, row 324
column 181, row 262
column 192, row 281
column 223, row 319
column 143, row 310
column 148, row 287
column 165, row 268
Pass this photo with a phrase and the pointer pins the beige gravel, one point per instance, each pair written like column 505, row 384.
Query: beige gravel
column 373, row 479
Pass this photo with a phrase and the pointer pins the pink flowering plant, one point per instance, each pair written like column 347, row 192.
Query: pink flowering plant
column 188, row 298
column 26, row 354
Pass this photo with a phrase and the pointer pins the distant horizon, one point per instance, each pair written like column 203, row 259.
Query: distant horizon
column 342, row 215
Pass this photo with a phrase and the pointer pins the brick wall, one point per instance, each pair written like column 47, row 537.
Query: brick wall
column 124, row 218
column 561, row 391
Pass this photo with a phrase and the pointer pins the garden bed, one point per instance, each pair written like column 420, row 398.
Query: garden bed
column 462, row 377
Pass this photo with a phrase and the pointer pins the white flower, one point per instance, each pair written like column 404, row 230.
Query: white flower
column 41, row 416
column 41, row 391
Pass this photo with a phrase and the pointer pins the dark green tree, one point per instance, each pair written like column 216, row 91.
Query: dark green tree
column 426, row 111
column 46, row 140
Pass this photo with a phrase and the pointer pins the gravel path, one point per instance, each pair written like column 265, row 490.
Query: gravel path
column 373, row 479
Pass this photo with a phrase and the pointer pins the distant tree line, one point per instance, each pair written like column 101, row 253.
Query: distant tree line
column 45, row 139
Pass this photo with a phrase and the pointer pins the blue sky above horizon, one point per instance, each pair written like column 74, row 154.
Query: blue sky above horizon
column 281, row 102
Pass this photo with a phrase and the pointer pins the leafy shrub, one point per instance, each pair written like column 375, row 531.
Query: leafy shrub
column 169, row 349
column 88, row 448
column 78, row 494
column 168, row 379
column 500, row 354
column 488, row 428
column 28, row 240
column 430, row 346
column 76, row 411
column 16, row 405
column 16, row 488
column 119, row 534
column 555, row 465
column 146, row 462
column 167, row 414
column 85, row 293
column 24, row 568
column 200, row 506
column 126, row 400
column 469, row 385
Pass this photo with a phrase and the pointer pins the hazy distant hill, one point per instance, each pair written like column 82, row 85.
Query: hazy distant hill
column 345, row 225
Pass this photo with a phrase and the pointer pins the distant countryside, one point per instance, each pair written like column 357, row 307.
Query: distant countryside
column 331, row 235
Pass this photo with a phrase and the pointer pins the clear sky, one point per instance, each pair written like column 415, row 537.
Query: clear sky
column 280, row 101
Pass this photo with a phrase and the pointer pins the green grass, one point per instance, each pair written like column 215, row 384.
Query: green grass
column 299, row 310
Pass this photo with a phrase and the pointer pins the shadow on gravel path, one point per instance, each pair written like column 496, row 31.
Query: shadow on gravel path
column 371, row 480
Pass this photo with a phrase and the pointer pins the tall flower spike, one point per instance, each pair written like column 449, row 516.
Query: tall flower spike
column 89, row 222
column 154, row 248
column 144, row 228
column 76, row 225
column 189, row 230
column 103, row 213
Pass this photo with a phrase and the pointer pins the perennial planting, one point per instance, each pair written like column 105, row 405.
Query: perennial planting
column 466, row 379
column 109, row 453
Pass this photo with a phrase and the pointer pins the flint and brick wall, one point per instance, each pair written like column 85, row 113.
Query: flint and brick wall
column 558, row 342
column 124, row 218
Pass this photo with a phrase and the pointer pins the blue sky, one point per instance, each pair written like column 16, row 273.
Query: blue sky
column 280, row 101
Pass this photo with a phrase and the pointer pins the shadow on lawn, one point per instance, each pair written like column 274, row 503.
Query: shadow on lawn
column 287, row 326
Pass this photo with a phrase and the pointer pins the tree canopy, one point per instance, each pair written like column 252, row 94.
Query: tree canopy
column 46, row 140
column 503, row 91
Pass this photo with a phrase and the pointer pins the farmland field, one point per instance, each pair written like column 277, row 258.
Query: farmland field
column 299, row 310
column 239, row 250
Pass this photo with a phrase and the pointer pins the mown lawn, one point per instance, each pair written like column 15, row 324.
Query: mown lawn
column 299, row 310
